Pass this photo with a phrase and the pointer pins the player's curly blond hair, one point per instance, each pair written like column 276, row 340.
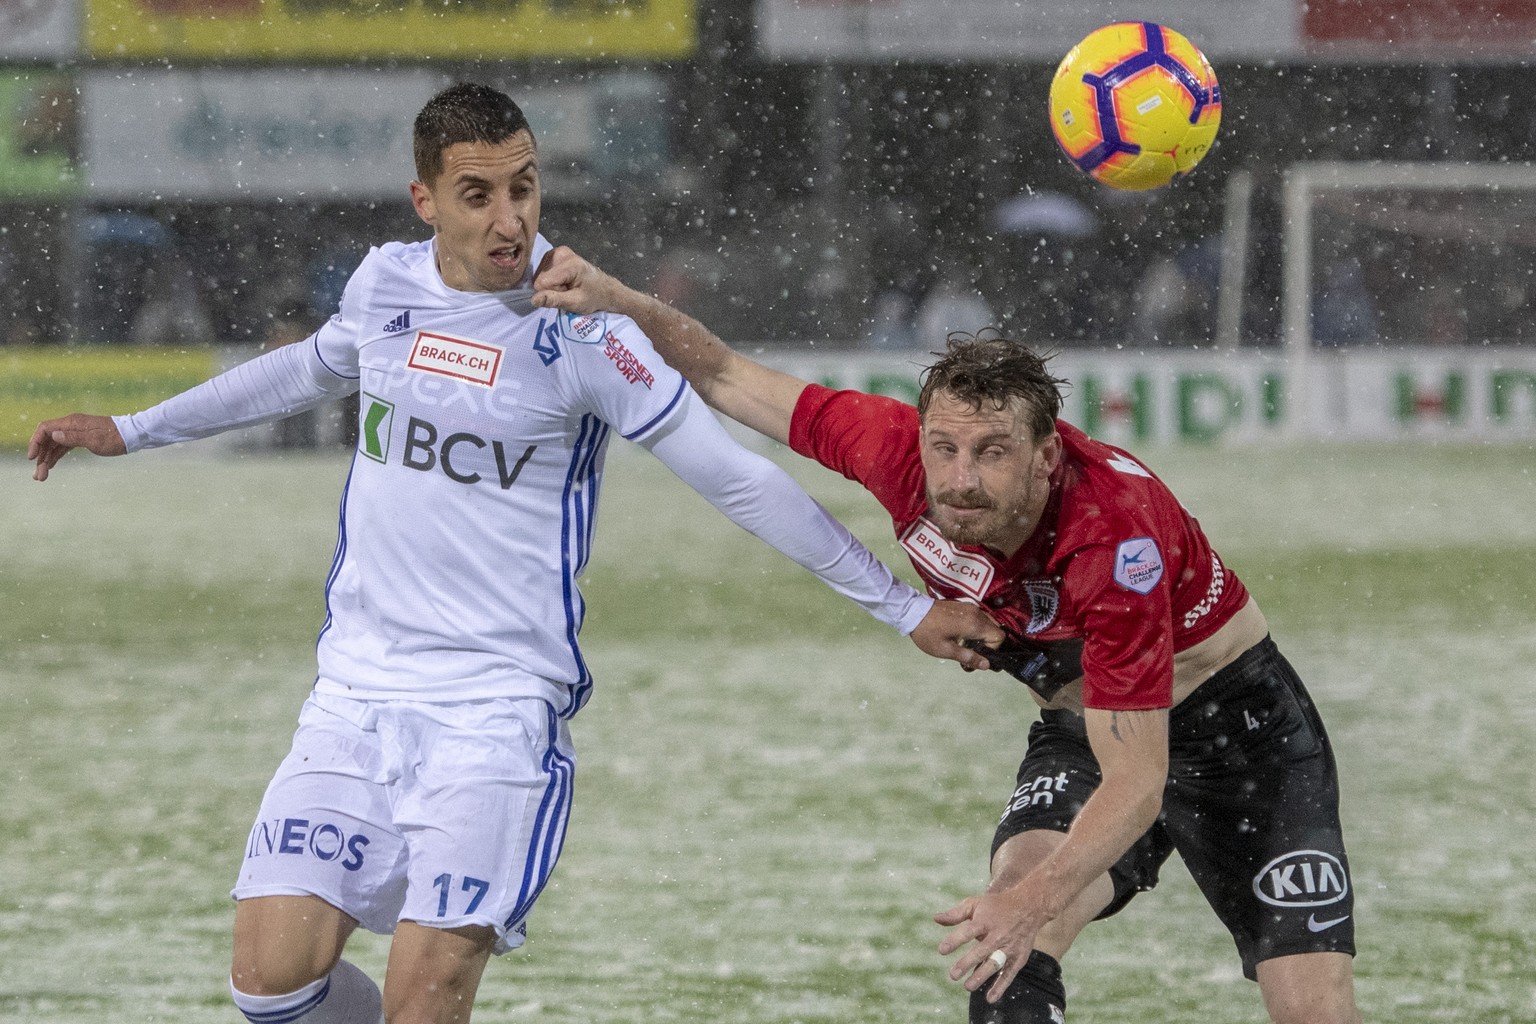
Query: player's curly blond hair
column 989, row 369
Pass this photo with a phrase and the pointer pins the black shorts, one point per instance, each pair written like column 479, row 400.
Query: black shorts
column 1251, row 805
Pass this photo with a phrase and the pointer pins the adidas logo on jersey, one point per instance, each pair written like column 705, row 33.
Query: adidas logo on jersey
column 399, row 323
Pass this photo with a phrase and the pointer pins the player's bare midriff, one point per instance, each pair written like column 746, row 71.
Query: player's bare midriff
column 1195, row 665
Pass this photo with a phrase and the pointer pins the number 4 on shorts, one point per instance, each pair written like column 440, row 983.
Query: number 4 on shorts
column 444, row 883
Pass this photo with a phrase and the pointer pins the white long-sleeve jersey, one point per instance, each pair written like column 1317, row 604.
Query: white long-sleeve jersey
column 469, row 511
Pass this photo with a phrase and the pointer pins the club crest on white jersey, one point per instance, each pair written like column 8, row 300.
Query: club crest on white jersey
column 459, row 358
column 945, row 562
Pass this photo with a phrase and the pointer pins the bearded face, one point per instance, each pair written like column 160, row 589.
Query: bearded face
column 988, row 478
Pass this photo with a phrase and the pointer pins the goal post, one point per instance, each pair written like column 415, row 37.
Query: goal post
column 1385, row 256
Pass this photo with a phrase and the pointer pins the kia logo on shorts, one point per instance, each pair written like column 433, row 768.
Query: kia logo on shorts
column 1302, row 878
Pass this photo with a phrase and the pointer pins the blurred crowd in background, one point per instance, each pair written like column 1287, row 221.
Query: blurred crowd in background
column 847, row 206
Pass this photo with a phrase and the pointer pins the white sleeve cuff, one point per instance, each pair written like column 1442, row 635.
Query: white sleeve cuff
column 915, row 607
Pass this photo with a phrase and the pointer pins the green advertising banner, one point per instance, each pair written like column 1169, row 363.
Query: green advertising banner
column 40, row 383
column 344, row 29
column 1255, row 396
column 39, row 135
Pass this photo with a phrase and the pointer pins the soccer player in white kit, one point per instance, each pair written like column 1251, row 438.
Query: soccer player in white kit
column 430, row 779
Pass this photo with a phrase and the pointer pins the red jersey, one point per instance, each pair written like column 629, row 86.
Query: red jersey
column 1116, row 564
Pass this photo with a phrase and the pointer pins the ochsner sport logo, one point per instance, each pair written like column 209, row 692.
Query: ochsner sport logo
column 1302, row 878
column 459, row 358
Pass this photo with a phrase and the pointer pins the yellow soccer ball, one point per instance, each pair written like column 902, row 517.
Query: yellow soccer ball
column 1135, row 105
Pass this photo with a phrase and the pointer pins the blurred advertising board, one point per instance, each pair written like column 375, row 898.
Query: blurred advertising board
column 1117, row 396
column 39, row 133
column 349, row 29
column 40, row 383
column 1248, row 396
column 1444, row 28
column 333, row 133
column 39, row 28
column 252, row 134
column 996, row 30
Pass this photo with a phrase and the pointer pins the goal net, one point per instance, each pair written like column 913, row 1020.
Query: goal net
column 1407, row 255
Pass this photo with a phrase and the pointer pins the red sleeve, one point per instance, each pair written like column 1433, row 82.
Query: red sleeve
column 1128, row 636
column 870, row 439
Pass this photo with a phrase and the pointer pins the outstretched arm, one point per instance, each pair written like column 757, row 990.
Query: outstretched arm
column 762, row 499
column 284, row 381
column 743, row 389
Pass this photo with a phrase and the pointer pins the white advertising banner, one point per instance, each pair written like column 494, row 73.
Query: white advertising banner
column 39, row 28
column 1245, row 397
column 1429, row 393
column 1116, row 397
column 999, row 30
column 327, row 134
column 250, row 134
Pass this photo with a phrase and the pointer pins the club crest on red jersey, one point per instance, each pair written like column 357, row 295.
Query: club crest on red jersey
column 1138, row 564
column 1044, row 599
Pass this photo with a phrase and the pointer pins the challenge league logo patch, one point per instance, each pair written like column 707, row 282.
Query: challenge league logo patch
column 1138, row 565
column 583, row 328
column 459, row 358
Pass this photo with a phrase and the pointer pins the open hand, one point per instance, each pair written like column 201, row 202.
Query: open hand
column 53, row 439
column 1003, row 922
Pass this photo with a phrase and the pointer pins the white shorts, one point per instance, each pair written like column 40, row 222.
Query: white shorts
column 443, row 814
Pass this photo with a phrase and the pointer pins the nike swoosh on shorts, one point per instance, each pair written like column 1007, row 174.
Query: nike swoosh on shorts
column 1314, row 925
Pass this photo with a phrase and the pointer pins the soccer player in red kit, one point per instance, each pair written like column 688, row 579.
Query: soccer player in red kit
column 1170, row 720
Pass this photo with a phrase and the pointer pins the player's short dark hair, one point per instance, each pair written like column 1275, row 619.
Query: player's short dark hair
column 991, row 370
column 467, row 112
